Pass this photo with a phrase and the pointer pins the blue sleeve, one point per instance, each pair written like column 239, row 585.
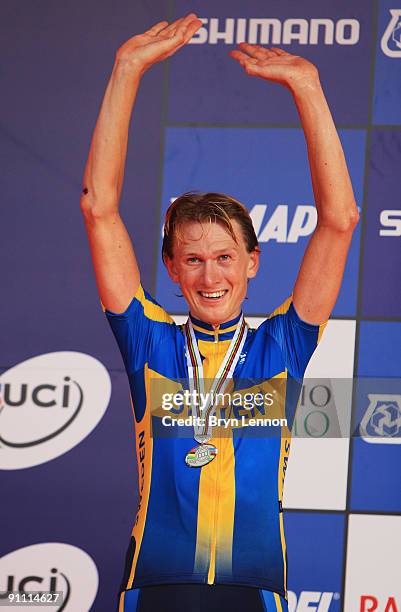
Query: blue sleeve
column 296, row 338
column 142, row 327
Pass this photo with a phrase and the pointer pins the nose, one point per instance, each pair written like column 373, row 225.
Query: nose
column 212, row 274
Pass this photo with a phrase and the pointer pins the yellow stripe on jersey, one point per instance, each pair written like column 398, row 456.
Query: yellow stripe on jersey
column 282, row 309
column 138, row 292
column 216, row 511
column 322, row 327
column 216, row 500
column 225, row 518
column 278, row 602
column 282, row 468
column 207, row 489
column 144, row 452
column 151, row 310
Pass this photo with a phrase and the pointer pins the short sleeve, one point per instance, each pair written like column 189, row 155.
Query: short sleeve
column 296, row 338
column 142, row 327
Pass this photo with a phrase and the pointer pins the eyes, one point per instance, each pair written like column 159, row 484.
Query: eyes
column 196, row 260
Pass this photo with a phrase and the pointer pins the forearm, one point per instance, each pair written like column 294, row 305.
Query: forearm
column 334, row 197
column 104, row 171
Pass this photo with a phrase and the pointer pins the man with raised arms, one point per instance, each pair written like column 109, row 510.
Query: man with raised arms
column 208, row 531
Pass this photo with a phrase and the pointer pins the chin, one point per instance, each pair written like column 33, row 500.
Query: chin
column 215, row 314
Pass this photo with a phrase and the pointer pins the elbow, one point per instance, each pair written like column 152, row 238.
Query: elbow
column 344, row 222
column 85, row 205
column 351, row 220
column 98, row 207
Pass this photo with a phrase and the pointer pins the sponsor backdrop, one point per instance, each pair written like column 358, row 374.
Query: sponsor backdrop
column 67, row 457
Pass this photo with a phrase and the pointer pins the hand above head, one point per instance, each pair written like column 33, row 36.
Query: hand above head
column 276, row 65
column 159, row 42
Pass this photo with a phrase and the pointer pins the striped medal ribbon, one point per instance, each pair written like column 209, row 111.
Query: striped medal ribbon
column 204, row 453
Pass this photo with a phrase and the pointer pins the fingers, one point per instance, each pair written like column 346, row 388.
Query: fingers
column 187, row 28
column 172, row 28
column 157, row 28
column 184, row 32
column 179, row 26
column 191, row 27
column 179, row 33
column 262, row 53
column 258, row 61
column 242, row 57
column 249, row 64
column 278, row 51
column 256, row 51
column 252, row 68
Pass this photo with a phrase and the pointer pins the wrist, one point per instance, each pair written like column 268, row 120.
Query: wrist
column 310, row 101
column 306, row 86
column 131, row 67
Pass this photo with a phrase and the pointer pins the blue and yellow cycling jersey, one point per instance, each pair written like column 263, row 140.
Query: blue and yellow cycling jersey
column 222, row 523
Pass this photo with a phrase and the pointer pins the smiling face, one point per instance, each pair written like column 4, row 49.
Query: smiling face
column 212, row 270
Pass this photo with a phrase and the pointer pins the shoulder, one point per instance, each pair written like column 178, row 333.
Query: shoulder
column 142, row 306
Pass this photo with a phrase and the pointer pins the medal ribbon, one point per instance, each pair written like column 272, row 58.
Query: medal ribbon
column 195, row 374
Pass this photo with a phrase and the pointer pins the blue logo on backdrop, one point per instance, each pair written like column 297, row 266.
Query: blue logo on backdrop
column 382, row 420
column 386, row 101
column 267, row 169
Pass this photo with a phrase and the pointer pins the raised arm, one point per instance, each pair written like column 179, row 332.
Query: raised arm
column 113, row 256
column 320, row 275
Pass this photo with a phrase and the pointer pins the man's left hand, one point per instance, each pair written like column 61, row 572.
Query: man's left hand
column 276, row 65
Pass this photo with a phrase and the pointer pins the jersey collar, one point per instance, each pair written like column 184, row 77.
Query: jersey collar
column 205, row 331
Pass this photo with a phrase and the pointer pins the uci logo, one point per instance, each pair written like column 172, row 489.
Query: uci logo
column 48, row 405
column 391, row 39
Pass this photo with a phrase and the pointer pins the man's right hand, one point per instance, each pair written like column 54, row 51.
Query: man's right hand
column 159, row 42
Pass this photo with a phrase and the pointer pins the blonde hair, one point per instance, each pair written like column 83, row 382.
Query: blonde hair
column 211, row 207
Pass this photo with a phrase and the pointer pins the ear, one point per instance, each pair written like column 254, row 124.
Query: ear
column 171, row 269
column 253, row 264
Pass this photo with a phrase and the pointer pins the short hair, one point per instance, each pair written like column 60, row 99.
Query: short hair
column 210, row 207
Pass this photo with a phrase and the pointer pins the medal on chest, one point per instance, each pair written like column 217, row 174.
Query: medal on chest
column 201, row 455
column 204, row 453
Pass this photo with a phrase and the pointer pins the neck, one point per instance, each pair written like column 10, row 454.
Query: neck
column 215, row 331
column 216, row 323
